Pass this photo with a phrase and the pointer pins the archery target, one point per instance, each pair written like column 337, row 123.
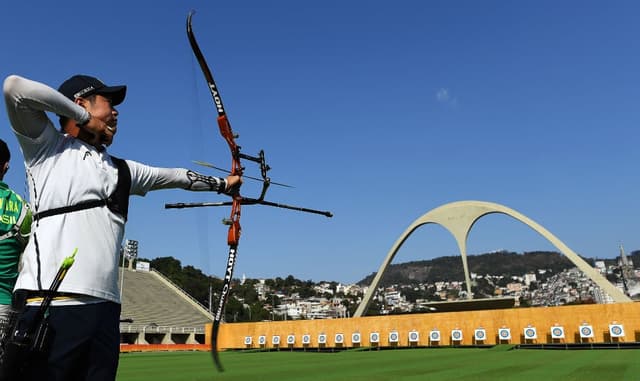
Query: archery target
column 434, row 335
column 480, row 334
column 306, row 339
column 414, row 337
column 504, row 334
column 393, row 337
column 456, row 335
column 530, row 333
column 374, row 337
column 586, row 331
column 275, row 340
column 291, row 339
column 262, row 340
column 322, row 339
column 557, row 332
column 247, row 340
column 355, row 338
column 616, row 330
column 339, row 338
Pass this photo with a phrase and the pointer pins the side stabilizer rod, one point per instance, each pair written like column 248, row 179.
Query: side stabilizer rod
column 246, row 201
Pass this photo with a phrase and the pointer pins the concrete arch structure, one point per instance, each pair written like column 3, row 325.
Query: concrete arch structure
column 458, row 218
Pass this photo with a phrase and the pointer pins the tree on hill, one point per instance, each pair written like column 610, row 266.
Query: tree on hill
column 168, row 266
column 450, row 268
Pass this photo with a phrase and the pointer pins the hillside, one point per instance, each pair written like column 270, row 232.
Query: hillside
column 500, row 263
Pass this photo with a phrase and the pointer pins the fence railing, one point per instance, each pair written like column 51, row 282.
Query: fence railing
column 152, row 328
column 163, row 347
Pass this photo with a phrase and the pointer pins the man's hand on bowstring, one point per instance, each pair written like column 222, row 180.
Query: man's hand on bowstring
column 97, row 133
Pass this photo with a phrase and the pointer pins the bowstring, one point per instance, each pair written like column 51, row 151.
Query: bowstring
column 202, row 216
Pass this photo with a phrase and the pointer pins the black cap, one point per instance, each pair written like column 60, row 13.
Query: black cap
column 80, row 86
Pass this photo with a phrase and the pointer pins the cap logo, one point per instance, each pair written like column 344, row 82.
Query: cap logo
column 83, row 91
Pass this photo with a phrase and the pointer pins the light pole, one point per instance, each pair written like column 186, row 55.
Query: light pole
column 129, row 251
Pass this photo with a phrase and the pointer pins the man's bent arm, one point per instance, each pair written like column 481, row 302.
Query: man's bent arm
column 27, row 101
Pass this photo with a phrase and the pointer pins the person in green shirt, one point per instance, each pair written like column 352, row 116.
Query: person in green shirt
column 15, row 228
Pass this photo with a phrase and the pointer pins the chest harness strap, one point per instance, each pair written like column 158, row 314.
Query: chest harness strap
column 117, row 202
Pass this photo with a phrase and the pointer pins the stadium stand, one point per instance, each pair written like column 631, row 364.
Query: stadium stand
column 156, row 311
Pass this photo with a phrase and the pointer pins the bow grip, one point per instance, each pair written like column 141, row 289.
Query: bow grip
column 233, row 236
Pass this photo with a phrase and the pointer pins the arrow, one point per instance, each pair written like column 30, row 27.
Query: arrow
column 209, row 165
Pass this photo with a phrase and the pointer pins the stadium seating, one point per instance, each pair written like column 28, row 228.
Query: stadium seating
column 161, row 312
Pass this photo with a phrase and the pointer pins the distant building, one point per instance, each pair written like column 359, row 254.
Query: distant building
column 601, row 297
column 631, row 282
column 514, row 287
column 323, row 288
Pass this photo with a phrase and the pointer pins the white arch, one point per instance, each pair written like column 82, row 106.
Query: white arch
column 458, row 218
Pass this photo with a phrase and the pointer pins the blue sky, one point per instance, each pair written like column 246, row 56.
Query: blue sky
column 378, row 111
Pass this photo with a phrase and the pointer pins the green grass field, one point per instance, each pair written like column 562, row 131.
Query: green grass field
column 497, row 363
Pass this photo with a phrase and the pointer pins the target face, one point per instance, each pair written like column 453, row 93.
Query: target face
column 530, row 333
column 322, row 339
column 339, row 338
column 586, row 331
column 355, row 338
column 247, row 340
column 616, row 330
column 374, row 337
column 504, row 333
column 480, row 334
column 291, row 339
column 557, row 332
column 413, row 336
column 306, row 339
column 393, row 337
column 275, row 340
column 456, row 335
column 434, row 335
column 262, row 340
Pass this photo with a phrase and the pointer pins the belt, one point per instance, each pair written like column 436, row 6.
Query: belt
column 38, row 296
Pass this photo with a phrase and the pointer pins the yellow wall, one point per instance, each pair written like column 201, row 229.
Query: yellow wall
column 599, row 316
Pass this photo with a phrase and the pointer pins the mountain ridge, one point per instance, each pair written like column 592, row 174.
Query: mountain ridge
column 505, row 263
